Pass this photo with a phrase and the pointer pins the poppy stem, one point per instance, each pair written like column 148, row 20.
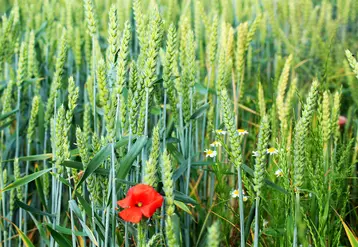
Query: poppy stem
column 140, row 235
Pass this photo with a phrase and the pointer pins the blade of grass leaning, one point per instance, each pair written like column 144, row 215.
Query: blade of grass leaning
column 27, row 179
column 8, row 114
column 24, row 238
column 199, row 111
column 38, row 157
column 40, row 190
column 40, row 228
column 79, row 166
column 68, row 231
column 353, row 240
column 77, row 211
column 127, row 161
column 59, row 238
column 95, row 163
column 88, row 209
column 32, row 209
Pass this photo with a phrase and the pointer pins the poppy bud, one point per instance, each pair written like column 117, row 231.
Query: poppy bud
column 342, row 121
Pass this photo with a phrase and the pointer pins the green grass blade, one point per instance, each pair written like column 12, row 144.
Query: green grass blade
column 59, row 238
column 40, row 190
column 127, row 161
column 77, row 211
column 32, row 209
column 6, row 115
column 97, row 160
column 24, row 180
column 200, row 111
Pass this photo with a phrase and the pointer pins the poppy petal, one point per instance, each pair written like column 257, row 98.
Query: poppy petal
column 142, row 193
column 133, row 215
column 149, row 209
column 126, row 202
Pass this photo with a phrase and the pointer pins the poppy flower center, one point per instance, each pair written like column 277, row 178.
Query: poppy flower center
column 139, row 204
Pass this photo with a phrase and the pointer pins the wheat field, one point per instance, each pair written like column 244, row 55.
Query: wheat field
column 178, row 123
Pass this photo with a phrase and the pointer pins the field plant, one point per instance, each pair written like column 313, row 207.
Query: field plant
column 178, row 123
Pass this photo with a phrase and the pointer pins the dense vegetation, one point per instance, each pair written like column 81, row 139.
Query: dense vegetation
column 241, row 114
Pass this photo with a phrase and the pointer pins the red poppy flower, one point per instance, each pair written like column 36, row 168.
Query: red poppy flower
column 141, row 200
column 342, row 121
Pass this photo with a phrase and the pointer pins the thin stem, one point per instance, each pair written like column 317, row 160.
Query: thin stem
column 257, row 221
column 114, row 195
column 71, row 211
column 164, row 118
column 94, row 84
column 26, row 186
column 146, row 111
column 189, row 144
column 204, row 115
column 241, row 208
column 18, row 149
column 297, row 214
column 108, row 210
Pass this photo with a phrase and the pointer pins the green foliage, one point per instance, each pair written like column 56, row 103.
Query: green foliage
column 206, row 101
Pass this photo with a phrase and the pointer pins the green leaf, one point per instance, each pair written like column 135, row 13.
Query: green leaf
column 24, row 238
column 41, row 29
column 179, row 196
column 59, row 238
column 77, row 211
column 175, row 153
column 127, row 161
column 177, row 228
column 22, row 235
column 33, row 157
column 202, row 163
column 6, row 115
column 36, row 157
column 155, row 110
column 40, row 190
column 200, row 111
column 182, row 206
column 79, row 166
column 97, row 160
column 32, row 209
column 180, row 171
column 200, row 88
column 2, row 127
column 249, row 171
column 123, row 141
column 68, row 231
column 88, row 209
column 249, row 221
column 41, row 230
column 73, row 164
column 61, row 179
column 180, row 158
column 24, row 180
column 353, row 240
column 155, row 82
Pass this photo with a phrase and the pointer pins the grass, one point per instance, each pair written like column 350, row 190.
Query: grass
column 241, row 114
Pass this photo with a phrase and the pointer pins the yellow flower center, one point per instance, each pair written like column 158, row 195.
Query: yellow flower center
column 241, row 130
column 139, row 204
column 209, row 152
column 271, row 150
column 236, row 192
